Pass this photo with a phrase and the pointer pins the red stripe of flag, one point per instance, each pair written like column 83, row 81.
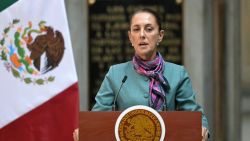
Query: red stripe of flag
column 54, row 120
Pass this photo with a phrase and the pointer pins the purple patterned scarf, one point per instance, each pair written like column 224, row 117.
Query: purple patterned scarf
column 158, row 85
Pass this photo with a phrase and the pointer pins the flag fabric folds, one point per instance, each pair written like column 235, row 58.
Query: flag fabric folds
column 39, row 98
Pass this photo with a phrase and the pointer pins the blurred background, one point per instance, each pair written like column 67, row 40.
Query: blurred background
column 211, row 38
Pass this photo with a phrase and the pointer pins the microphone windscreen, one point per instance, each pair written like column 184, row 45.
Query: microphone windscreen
column 124, row 79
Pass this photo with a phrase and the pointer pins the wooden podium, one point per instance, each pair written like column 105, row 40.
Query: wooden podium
column 180, row 126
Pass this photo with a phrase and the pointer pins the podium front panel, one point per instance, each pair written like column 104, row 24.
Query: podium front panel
column 180, row 126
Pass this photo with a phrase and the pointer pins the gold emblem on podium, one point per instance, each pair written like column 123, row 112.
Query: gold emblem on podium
column 140, row 123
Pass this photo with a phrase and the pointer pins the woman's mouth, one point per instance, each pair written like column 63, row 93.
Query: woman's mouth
column 143, row 44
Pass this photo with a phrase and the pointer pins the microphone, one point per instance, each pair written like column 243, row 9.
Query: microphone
column 165, row 106
column 114, row 104
column 166, row 88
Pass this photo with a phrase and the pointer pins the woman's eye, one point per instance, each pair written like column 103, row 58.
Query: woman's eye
column 149, row 29
column 135, row 29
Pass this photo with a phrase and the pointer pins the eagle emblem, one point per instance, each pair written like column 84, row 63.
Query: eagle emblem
column 140, row 123
column 31, row 51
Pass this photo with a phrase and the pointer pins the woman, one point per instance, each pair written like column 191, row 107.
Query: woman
column 150, row 80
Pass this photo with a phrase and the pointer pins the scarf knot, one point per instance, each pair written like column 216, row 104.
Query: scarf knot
column 158, row 85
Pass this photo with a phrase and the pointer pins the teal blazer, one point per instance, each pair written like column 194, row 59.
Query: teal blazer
column 135, row 91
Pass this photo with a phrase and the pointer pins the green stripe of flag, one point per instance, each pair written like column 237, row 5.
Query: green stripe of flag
column 6, row 3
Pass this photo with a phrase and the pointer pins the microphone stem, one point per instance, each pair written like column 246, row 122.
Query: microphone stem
column 114, row 104
column 113, row 107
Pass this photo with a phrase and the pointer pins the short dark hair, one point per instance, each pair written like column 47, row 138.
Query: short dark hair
column 147, row 10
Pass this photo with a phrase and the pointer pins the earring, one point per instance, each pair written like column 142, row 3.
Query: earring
column 157, row 43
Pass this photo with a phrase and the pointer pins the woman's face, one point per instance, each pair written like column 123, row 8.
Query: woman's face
column 144, row 35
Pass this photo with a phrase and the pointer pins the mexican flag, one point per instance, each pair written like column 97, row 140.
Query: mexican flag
column 39, row 98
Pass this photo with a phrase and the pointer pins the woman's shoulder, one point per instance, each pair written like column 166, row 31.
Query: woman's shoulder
column 121, row 66
column 121, row 69
column 173, row 66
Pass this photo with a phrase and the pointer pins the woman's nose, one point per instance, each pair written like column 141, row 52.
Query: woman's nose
column 142, row 34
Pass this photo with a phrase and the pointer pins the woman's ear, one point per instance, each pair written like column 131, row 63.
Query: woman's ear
column 161, row 35
column 129, row 36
